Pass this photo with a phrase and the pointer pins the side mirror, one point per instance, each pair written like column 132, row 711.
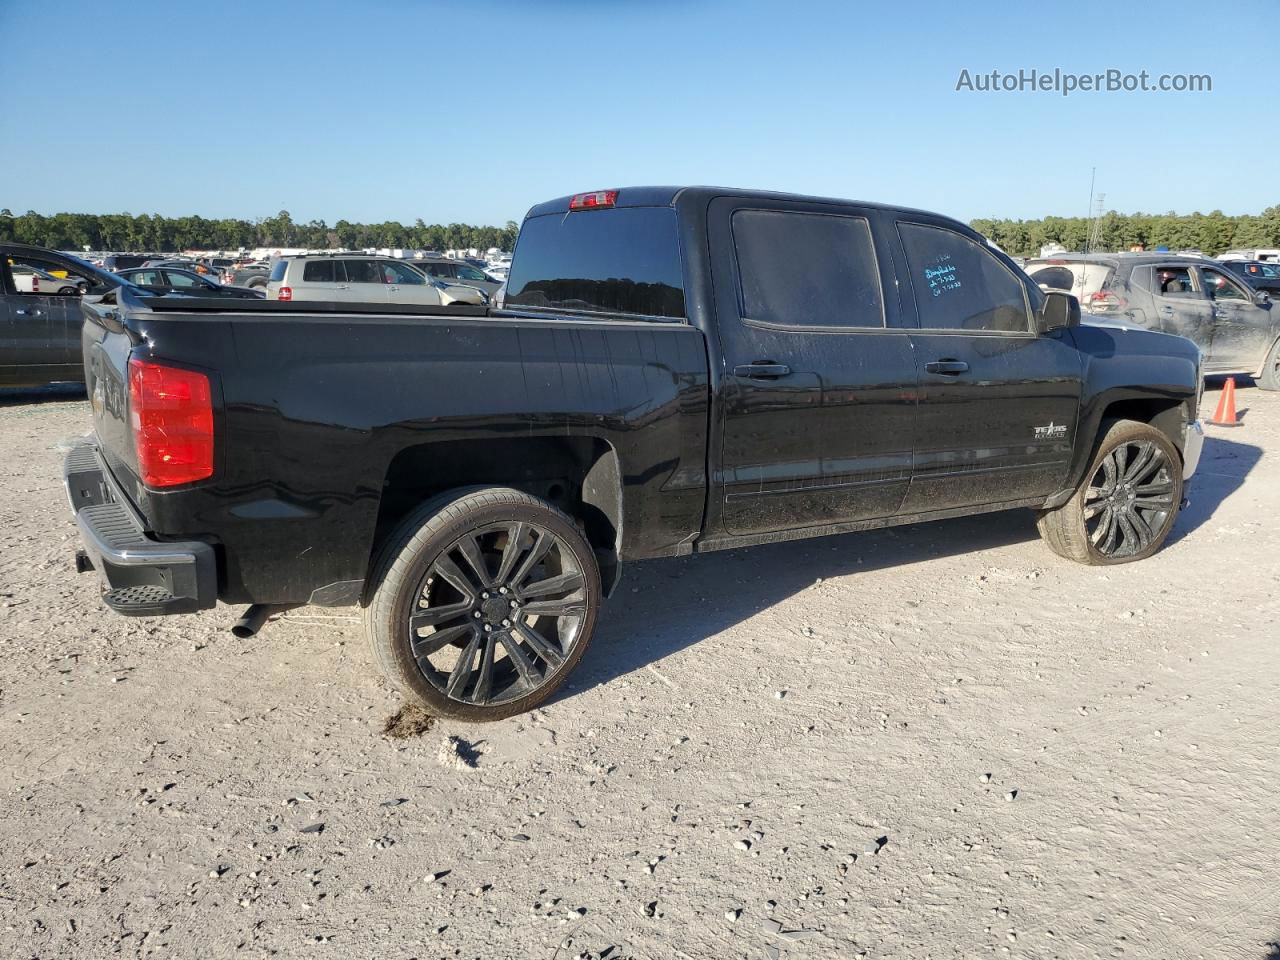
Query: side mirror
column 1059, row 310
column 1262, row 298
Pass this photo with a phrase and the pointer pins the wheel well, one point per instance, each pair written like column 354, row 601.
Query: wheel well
column 1165, row 415
column 580, row 475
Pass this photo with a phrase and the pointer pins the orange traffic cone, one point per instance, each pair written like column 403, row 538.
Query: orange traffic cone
column 1225, row 415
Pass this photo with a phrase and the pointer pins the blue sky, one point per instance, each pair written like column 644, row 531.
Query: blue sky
column 473, row 111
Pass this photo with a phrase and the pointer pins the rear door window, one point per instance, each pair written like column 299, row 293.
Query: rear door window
column 623, row 262
column 960, row 285
column 1174, row 281
column 362, row 271
column 318, row 271
column 807, row 269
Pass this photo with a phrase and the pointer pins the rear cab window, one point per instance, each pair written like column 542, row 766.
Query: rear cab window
column 618, row 262
column 1082, row 279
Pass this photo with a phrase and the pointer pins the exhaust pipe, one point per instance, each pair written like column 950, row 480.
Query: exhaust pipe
column 256, row 617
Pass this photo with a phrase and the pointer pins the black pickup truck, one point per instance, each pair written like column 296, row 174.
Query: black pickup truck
column 672, row 371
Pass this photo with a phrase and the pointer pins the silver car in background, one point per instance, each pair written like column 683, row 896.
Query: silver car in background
column 356, row 278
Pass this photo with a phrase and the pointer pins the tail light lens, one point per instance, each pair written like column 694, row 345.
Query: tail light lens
column 172, row 413
column 596, row 200
column 1105, row 300
column 284, row 293
column 35, row 284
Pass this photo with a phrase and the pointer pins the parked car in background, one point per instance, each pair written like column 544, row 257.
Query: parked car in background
column 457, row 271
column 123, row 261
column 28, row 279
column 39, row 328
column 252, row 275
column 356, row 278
column 166, row 281
column 181, row 263
column 1259, row 274
column 1236, row 327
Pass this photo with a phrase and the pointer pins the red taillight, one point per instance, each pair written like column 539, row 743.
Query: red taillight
column 1106, row 300
column 35, row 284
column 284, row 293
column 594, row 200
column 172, row 413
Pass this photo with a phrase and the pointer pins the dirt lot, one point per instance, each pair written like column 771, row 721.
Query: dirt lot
column 937, row 741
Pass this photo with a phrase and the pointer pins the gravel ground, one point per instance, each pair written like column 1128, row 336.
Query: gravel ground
column 935, row 741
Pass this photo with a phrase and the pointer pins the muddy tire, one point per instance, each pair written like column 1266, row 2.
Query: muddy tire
column 1269, row 378
column 1127, row 502
column 483, row 601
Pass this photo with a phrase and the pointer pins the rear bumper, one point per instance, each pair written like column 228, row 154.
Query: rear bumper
column 1192, row 445
column 144, row 577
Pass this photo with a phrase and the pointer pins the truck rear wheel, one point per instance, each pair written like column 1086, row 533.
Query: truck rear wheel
column 1126, row 504
column 484, row 600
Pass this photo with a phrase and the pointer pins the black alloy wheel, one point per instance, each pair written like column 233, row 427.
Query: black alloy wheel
column 499, row 612
column 1129, row 501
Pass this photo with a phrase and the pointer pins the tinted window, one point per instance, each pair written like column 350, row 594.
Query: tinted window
column 362, row 271
column 318, row 271
column 959, row 284
column 440, row 269
column 807, row 269
column 470, row 273
column 58, row 271
column 277, row 271
column 146, row 278
column 620, row 261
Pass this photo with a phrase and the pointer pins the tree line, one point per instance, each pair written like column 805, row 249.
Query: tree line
column 1211, row 233
column 147, row 232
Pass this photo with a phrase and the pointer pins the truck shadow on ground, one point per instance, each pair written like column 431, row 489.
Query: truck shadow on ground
column 55, row 392
column 1224, row 465
column 662, row 606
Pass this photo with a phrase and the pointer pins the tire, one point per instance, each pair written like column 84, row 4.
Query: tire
column 504, row 635
column 1127, row 501
column 1269, row 379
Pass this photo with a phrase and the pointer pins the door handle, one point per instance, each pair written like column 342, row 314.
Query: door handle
column 1167, row 311
column 343, row 286
column 1220, row 314
column 950, row 367
column 29, row 313
column 764, row 370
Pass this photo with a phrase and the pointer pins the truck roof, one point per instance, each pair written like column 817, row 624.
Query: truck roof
column 676, row 196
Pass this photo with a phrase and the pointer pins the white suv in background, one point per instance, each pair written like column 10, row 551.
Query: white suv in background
column 352, row 278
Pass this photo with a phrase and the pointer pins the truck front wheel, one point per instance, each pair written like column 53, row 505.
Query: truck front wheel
column 1126, row 504
column 484, row 600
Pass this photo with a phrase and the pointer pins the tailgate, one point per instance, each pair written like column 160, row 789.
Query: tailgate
column 106, row 345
